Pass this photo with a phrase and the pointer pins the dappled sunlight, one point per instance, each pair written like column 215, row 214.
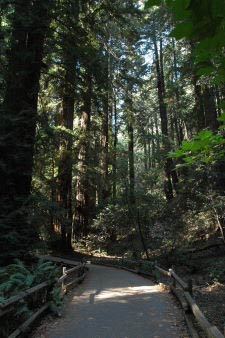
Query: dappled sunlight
column 122, row 291
column 125, row 292
column 117, row 304
column 119, row 295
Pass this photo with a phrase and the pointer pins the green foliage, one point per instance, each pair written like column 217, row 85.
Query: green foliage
column 112, row 219
column 42, row 212
column 203, row 23
column 150, row 3
column 18, row 277
column 56, row 302
column 110, row 48
column 182, row 29
column 206, row 147
column 217, row 271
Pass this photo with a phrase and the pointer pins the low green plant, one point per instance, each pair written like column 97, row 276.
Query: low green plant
column 217, row 272
column 56, row 302
column 18, row 277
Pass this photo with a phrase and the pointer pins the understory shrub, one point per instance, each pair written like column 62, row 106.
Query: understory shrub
column 18, row 277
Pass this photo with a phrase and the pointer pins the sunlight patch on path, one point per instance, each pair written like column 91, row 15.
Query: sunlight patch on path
column 125, row 292
column 113, row 303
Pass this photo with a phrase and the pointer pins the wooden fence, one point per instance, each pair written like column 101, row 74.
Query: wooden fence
column 38, row 297
column 184, row 293
column 181, row 289
column 136, row 266
column 39, row 294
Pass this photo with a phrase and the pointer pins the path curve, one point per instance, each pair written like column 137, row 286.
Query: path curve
column 113, row 303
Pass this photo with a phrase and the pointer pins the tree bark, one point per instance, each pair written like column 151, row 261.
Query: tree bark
column 114, row 169
column 104, row 160
column 69, row 58
column 130, row 132
column 176, row 122
column 210, row 108
column 171, row 178
column 18, row 121
column 218, row 99
column 65, row 160
column 145, row 153
column 83, row 182
column 131, row 163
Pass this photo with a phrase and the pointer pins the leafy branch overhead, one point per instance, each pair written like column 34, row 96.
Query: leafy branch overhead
column 203, row 23
column 206, row 147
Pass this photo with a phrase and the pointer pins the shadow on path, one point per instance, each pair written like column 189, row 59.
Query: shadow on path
column 113, row 303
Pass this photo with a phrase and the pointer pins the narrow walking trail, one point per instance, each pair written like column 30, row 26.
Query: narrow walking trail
column 113, row 303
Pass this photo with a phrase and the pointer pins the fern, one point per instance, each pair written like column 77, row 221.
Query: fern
column 2, row 300
column 23, row 311
column 56, row 299
column 17, row 277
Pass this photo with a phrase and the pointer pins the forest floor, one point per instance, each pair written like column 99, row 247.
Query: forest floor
column 113, row 303
column 207, row 270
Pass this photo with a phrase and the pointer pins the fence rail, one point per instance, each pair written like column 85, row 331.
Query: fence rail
column 182, row 290
column 70, row 276
column 75, row 273
column 136, row 266
column 189, row 305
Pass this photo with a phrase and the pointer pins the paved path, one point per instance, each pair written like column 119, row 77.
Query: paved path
column 113, row 303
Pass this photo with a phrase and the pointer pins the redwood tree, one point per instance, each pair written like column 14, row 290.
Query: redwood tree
column 30, row 22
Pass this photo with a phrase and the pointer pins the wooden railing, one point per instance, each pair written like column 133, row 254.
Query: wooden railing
column 39, row 296
column 65, row 281
column 181, row 289
column 184, row 293
column 136, row 266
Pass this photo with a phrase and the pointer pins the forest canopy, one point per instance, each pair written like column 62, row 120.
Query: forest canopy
column 111, row 126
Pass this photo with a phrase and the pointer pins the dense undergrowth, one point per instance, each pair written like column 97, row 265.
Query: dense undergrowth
column 18, row 277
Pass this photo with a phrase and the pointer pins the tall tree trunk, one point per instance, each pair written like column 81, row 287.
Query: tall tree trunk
column 18, row 121
column 171, row 178
column 66, row 141
column 153, row 147
column 114, row 169
column 104, row 192
column 198, row 110
column 177, row 125
column 53, row 187
column 104, row 160
column 65, row 160
column 156, row 126
column 83, row 182
column 218, row 99
column 199, row 107
column 145, row 153
column 130, row 131
column 131, row 162
column 149, row 146
column 210, row 108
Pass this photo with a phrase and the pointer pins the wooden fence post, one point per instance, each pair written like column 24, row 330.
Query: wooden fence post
column 154, row 271
column 64, row 273
column 174, row 284
column 139, row 267
column 190, row 287
column 173, row 279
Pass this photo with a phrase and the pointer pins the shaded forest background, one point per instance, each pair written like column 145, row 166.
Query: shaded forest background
column 111, row 126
